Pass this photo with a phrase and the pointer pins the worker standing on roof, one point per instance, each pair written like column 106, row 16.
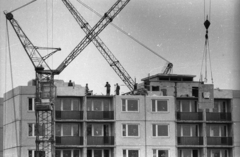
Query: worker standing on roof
column 87, row 89
column 70, row 83
column 108, row 86
column 117, row 89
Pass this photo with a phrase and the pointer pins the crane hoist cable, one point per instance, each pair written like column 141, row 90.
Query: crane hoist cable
column 13, row 98
column 170, row 65
column 206, row 52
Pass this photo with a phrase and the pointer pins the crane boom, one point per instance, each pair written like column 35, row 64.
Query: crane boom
column 166, row 69
column 101, row 24
column 104, row 50
column 32, row 52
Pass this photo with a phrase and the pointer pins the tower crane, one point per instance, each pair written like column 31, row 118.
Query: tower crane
column 45, row 89
column 103, row 49
column 167, row 69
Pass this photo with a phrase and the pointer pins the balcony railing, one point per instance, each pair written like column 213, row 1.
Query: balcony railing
column 190, row 140
column 69, row 115
column 100, row 115
column 219, row 140
column 69, row 140
column 100, row 140
column 214, row 116
column 189, row 116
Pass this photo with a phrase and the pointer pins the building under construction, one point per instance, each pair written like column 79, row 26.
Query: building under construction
column 172, row 120
column 166, row 115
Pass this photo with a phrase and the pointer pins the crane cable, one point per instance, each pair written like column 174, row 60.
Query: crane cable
column 206, row 53
column 121, row 30
column 52, row 30
column 14, row 105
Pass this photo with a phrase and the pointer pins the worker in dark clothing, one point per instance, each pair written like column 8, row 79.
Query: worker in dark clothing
column 87, row 89
column 117, row 89
column 70, row 83
column 108, row 86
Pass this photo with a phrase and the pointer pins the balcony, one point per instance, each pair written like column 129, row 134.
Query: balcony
column 214, row 116
column 100, row 115
column 219, row 140
column 69, row 140
column 190, row 140
column 189, row 116
column 100, row 140
column 69, row 115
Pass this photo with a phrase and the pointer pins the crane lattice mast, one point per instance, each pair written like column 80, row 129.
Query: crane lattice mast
column 45, row 89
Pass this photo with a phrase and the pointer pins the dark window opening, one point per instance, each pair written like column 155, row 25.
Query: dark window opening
column 155, row 88
column 195, row 91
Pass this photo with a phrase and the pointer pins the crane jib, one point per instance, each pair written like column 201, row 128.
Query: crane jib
column 101, row 24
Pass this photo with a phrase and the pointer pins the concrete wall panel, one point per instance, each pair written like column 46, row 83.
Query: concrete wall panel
column 236, row 109
column 12, row 110
column 169, row 140
column 172, row 151
column 122, row 140
column 13, row 152
column 119, row 150
column 120, row 115
column 10, row 132
column 163, row 115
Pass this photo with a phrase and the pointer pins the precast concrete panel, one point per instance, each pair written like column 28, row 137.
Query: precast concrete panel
column 11, row 152
column 11, row 135
column 25, row 138
column 11, row 110
column 235, row 109
column 160, row 115
column 130, row 140
column 26, row 113
column 162, row 141
column 172, row 150
column 70, row 91
column 141, row 149
column 130, row 115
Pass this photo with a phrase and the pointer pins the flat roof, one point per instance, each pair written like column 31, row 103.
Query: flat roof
column 169, row 76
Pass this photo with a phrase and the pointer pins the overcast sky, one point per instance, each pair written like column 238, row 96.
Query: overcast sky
column 172, row 28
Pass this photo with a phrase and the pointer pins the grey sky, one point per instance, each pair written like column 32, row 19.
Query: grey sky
column 172, row 28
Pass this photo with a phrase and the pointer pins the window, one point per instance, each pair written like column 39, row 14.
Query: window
column 31, row 153
column 98, row 153
column 130, row 130
column 67, row 129
column 217, row 131
column 155, row 88
column 220, row 106
column 187, row 106
column 188, row 130
column 188, row 153
column 98, row 130
column 160, row 153
column 159, row 106
column 130, row 153
column 31, row 104
column 98, row 105
column 67, row 104
column 160, row 130
column 130, row 105
column 34, row 130
column 67, row 153
column 218, row 153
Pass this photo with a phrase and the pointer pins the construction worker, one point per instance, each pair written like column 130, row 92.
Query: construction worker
column 87, row 89
column 108, row 86
column 117, row 89
column 70, row 83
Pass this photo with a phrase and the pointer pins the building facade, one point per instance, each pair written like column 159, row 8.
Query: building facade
column 168, row 122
